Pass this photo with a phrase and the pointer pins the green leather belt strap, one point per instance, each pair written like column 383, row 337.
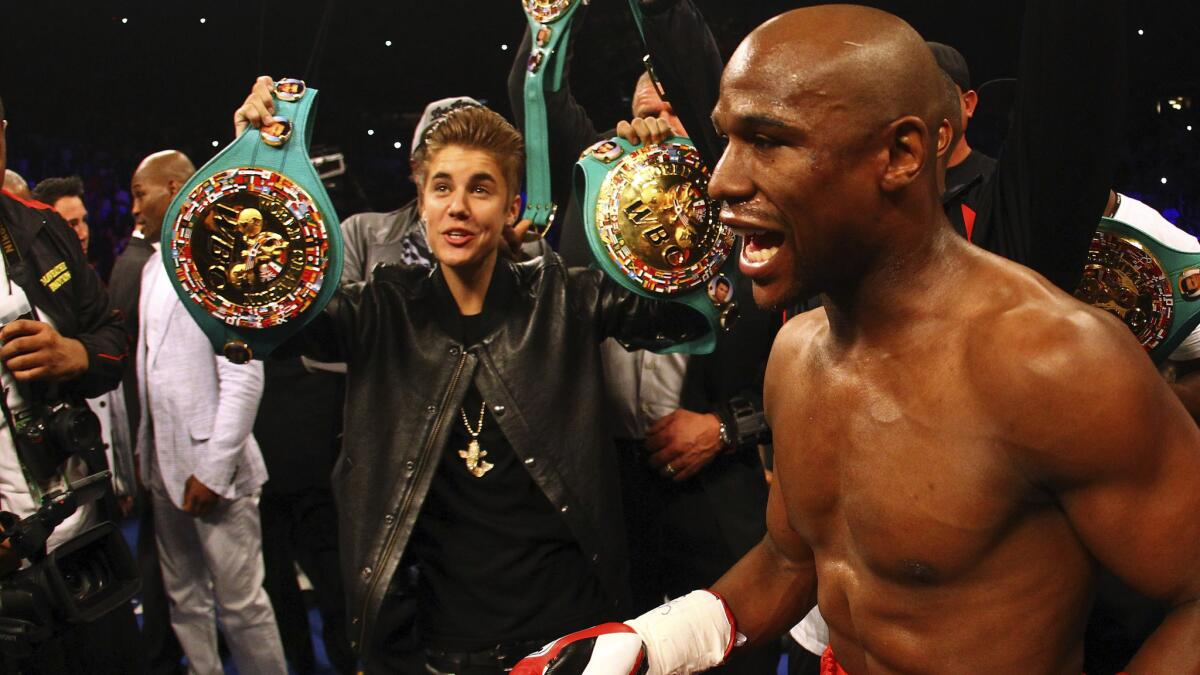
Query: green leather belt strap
column 1152, row 287
column 651, row 227
column 550, row 30
column 251, row 242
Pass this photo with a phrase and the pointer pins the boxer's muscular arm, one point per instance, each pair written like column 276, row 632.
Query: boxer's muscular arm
column 1121, row 455
column 775, row 584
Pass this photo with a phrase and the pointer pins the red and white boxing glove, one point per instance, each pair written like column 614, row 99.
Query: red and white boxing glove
column 687, row 635
column 608, row 648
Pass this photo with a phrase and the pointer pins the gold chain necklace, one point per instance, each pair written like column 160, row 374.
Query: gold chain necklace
column 474, row 454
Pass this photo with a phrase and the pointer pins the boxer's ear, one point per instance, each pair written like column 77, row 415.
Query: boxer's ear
column 908, row 154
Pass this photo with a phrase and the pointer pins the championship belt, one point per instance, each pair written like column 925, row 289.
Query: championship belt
column 1153, row 288
column 652, row 227
column 550, row 28
column 253, row 245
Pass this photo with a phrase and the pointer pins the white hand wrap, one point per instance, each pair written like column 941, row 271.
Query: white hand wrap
column 687, row 635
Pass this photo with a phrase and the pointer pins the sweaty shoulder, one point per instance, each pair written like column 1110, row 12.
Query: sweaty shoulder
column 1059, row 378
column 799, row 332
column 791, row 352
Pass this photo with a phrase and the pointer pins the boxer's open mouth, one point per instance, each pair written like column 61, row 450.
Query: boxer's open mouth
column 760, row 246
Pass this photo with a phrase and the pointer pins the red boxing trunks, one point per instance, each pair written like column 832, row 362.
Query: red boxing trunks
column 829, row 665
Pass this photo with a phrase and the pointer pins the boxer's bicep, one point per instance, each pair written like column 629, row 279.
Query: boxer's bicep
column 1134, row 502
column 1123, row 458
column 1090, row 420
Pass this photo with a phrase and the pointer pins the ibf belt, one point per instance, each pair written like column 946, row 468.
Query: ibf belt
column 652, row 227
column 1153, row 288
column 251, row 242
column 550, row 29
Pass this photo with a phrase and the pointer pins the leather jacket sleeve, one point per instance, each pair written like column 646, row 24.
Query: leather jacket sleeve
column 1058, row 161
column 327, row 337
column 688, row 64
column 101, row 328
column 635, row 321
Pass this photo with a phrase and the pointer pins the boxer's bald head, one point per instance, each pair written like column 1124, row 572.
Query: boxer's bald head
column 165, row 165
column 833, row 115
column 155, row 182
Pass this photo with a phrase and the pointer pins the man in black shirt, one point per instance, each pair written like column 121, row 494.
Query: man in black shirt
column 966, row 167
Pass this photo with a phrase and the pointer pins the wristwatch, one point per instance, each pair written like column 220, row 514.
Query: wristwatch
column 251, row 242
column 726, row 437
column 1151, row 286
column 652, row 228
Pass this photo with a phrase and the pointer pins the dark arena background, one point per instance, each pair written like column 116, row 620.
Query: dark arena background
column 91, row 87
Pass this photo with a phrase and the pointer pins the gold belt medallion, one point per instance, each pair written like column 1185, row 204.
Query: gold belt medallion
column 1125, row 279
column 656, row 221
column 251, row 246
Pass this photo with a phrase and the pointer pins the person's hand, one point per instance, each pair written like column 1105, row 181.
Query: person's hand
column 645, row 131
column 198, row 500
column 514, row 236
column 34, row 350
column 257, row 107
column 683, row 443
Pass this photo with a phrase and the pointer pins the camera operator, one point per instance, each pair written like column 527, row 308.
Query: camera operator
column 67, row 345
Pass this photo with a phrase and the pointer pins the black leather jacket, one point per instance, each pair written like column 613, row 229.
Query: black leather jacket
column 540, row 371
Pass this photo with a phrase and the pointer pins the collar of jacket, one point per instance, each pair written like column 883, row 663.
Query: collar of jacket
column 23, row 224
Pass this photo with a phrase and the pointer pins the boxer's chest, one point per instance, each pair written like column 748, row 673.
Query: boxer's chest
column 895, row 468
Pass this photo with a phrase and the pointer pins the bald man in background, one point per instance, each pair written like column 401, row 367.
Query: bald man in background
column 201, row 464
column 155, row 182
column 970, row 446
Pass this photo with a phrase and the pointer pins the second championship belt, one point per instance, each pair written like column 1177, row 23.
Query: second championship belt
column 251, row 242
column 652, row 227
column 1152, row 287
column 550, row 29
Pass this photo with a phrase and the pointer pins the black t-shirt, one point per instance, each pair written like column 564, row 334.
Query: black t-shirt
column 498, row 563
column 963, row 183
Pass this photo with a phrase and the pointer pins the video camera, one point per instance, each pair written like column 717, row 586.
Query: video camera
column 85, row 577
column 80, row 581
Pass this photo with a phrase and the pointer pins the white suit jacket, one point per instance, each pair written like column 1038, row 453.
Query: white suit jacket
column 198, row 408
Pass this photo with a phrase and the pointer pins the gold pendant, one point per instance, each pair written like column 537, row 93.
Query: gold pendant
column 473, row 456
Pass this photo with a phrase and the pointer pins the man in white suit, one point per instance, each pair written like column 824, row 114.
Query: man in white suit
column 201, row 464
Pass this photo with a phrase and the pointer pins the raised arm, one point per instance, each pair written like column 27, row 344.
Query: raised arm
column 1053, row 174
column 688, row 63
column 569, row 128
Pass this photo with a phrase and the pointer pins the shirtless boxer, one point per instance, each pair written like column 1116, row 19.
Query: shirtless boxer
column 959, row 445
